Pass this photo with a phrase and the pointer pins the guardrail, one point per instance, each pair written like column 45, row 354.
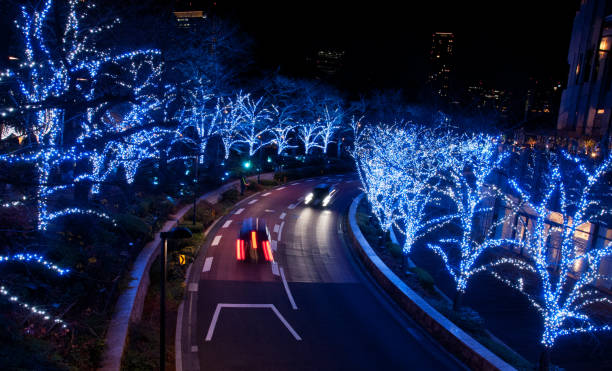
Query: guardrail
column 451, row 337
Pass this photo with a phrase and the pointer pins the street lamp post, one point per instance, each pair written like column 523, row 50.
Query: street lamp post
column 195, row 187
column 174, row 233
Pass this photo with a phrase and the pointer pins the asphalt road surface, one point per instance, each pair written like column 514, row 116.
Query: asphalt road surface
column 314, row 308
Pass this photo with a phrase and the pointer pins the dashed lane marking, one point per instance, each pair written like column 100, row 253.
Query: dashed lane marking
column 266, row 194
column 216, row 240
column 281, row 188
column 276, row 226
column 269, row 211
column 213, row 323
column 275, row 269
column 208, row 263
column 291, row 207
column 283, row 215
column 226, row 224
column 280, row 230
column 253, row 201
column 239, row 211
column 274, row 246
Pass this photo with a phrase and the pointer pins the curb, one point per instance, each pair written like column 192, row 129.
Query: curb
column 129, row 305
column 455, row 340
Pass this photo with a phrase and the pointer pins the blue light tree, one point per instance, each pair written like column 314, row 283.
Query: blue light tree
column 574, row 187
column 309, row 133
column 470, row 163
column 65, row 78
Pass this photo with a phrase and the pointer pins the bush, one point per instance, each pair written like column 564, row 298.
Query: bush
column 425, row 279
column 134, row 226
column 253, row 186
column 394, row 249
column 268, row 182
column 231, row 195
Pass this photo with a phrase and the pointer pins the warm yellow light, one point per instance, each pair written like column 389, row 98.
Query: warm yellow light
column 601, row 111
column 604, row 44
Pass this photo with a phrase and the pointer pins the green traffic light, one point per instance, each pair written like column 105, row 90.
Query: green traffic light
column 247, row 164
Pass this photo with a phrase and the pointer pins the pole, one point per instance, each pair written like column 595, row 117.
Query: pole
column 162, row 313
column 195, row 188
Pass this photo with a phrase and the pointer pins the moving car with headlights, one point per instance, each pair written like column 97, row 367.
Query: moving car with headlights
column 253, row 243
column 321, row 195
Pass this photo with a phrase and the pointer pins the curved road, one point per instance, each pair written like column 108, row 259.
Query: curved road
column 314, row 308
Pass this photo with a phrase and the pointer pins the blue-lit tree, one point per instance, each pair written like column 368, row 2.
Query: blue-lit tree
column 331, row 115
column 309, row 133
column 231, row 118
column 283, row 119
column 573, row 193
column 255, row 126
column 65, row 78
column 470, row 162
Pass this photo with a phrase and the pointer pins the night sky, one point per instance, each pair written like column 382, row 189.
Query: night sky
column 502, row 43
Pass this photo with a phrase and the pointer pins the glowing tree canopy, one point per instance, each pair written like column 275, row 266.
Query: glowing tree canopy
column 566, row 292
column 470, row 162
column 65, row 78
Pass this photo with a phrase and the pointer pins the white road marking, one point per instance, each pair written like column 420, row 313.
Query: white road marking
column 216, row 240
column 301, row 198
column 269, row 211
column 276, row 226
column 296, row 183
column 280, row 230
column 253, row 201
column 193, row 287
column 239, row 211
column 194, row 348
column 207, row 264
column 267, row 194
column 283, row 187
column 282, row 273
column 292, row 206
column 274, row 245
column 282, row 216
column 226, row 224
column 213, row 323
column 275, row 269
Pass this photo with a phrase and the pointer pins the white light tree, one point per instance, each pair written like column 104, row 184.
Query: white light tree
column 309, row 133
column 198, row 114
column 283, row 118
column 231, row 118
column 565, row 294
column 331, row 116
column 255, row 126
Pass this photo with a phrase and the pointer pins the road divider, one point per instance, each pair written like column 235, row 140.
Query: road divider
column 451, row 337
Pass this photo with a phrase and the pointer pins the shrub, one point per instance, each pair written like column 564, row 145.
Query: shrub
column 394, row 249
column 425, row 279
column 268, row 182
column 231, row 195
column 254, row 186
column 134, row 226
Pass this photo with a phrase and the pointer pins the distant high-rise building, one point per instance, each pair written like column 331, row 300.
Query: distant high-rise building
column 586, row 103
column 328, row 62
column 190, row 18
column 441, row 64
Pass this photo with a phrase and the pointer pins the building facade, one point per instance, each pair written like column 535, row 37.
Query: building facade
column 441, row 64
column 586, row 103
